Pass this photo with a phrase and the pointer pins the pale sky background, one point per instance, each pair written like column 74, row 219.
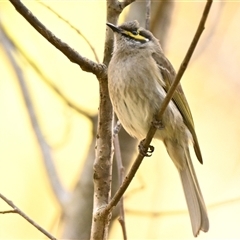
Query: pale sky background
column 155, row 204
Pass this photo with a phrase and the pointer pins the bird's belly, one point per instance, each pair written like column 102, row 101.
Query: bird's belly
column 136, row 112
column 133, row 117
column 138, row 101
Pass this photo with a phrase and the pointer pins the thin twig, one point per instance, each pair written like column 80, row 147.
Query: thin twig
column 123, row 225
column 49, row 82
column 121, row 171
column 148, row 14
column 8, row 211
column 74, row 28
column 161, row 15
column 104, row 144
column 86, row 64
column 21, row 213
column 208, row 38
column 61, row 194
column 167, row 99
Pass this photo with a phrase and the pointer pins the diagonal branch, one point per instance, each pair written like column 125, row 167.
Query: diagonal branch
column 167, row 99
column 86, row 64
column 182, row 69
column 44, row 78
column 75, row 29
column 21, row 213
column 121, row 173
column 61, row 194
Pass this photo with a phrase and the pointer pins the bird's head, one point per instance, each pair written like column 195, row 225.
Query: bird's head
column 130, row 36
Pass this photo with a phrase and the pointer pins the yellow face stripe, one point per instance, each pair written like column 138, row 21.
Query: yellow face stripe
column 138, row 37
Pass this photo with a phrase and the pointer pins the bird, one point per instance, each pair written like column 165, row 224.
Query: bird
column 139, row 77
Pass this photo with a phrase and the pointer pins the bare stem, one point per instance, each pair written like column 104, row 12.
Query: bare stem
column 21, row 213
column 86, row 65
column 148, row 14
column 167, row 99
column 104, row 144
column 75, row 29
column 61, row 194
column 121, row 171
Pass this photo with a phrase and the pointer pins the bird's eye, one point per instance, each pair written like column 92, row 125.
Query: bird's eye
column 135, row 32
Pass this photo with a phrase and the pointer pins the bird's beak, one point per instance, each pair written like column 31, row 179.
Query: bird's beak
column 114, row 28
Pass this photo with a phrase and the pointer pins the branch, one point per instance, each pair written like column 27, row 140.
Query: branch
column 61, row 194
column 86, row 65
column 8, row 211
column 104, row 144
column 148, row 14
column 74, row 28
column 120, row 171
column 161, row 16
column 167, row 99
column 45, row 78
column 21, row 213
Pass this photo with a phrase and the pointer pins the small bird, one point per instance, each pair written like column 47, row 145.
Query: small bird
column 139, row 77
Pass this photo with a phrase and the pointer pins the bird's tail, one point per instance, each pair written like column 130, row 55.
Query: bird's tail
column 194, row 198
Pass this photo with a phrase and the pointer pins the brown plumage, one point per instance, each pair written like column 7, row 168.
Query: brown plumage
column 139, row 76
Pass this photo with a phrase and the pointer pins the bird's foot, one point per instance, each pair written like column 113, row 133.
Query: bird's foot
column 158, row 124
column 146, row 152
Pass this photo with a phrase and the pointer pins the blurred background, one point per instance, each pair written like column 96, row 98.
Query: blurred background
column 65, row 101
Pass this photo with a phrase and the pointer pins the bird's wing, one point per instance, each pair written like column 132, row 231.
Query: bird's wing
column 178, row 98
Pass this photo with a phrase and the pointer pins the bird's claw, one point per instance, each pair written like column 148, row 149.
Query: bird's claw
column 146, row 152
column 158, row 124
